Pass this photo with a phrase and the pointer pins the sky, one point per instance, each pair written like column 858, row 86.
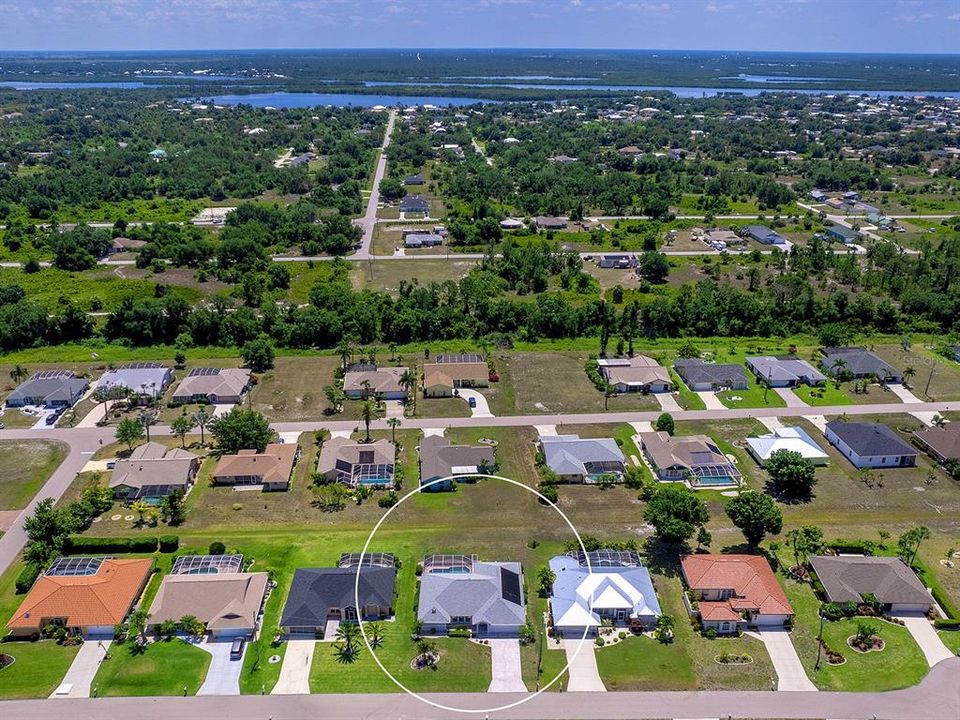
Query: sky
column 902, row 26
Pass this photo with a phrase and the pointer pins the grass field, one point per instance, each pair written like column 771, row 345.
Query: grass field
column 386, row 274
column 37, row 669
column 27, row 465
column 167, row 667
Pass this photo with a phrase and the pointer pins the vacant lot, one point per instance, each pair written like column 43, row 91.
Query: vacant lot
column 26, row 466
column 386, row 275
column 935, row 378
column 293, row 390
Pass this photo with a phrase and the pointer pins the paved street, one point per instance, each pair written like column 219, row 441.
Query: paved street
column 369, row 220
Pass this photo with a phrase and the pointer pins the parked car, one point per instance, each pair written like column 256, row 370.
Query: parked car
column 472, row 402
column 236, row 650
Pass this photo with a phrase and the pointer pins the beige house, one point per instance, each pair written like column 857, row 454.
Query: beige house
column 229, row 604
column 449, row 372
column 693, row 459
column 353, row 463
column 363, row 380
column 152, row 471
column 637, row 374
column 213, row 385
column 272, row 468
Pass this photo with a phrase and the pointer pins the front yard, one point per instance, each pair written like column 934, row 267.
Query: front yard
column 37, row 670
column 166, row 667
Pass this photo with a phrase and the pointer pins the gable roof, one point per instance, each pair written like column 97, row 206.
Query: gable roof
column 795, row 439
column 273, row 465
column 573, row 455
column 440, row 459
column 315, row 591
column 944, row 441
column 223, row 602
column 695, row 371
column 213, row 381
column 749, row 577
column 576, row 590
column 381, row 379
column 446, row 373
column 153, row 465
column 101, row 599
column 846, row 579
column 869, row 439
column 479, row 594
column 638, row 370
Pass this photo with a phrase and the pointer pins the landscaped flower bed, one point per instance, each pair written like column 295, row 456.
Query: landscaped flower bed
column 732, row 659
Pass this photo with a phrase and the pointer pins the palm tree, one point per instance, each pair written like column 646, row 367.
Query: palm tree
column 347, row 649
column 838, row 366
column 147, row 419
column 908, row 373
column 18, row 374
column 141, row 508
column 368, row 413
column 375, row 634
column 394, row 423
column 201, row 419
column 345, row 351
column 608, row 392
column 408, row 381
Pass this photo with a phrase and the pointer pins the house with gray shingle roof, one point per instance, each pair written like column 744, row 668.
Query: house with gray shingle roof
column 858, row 363
column 439, row 459
column 870, row 445
column 699, row 375
column 48, row 388
column 318, row 595
column 582, row 460
column 848, row 579
column 460, row 591
column 784, row 372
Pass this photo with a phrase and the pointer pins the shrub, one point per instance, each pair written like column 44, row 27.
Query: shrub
column 81, row 544
column 388, row 499
column 27, row 577
column 217, row 548
column 601, row 642
column 459, row 632
column 169, row 543
column 946, row 624
column 549, row 492
column 710, row 633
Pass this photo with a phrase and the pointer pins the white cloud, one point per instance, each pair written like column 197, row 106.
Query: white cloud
column 955, row 17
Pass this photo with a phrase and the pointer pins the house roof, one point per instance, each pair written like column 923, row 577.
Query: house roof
column 440, row 459
column 381, row 379
column 573, row 455
column 491, row 592
column 153, row 465
column 144, row 378
column 764, row 234
column 869, row 439
column 101, row 599
column 944, row 441
column 857, row 361
column 846, row 579
column 749, row 577
column 843, row 231
column 50, row 386
column 223, row 602
column 694, row 372
column 213, row 381
column 577, row 590
column 414, row 203
column 446, row 373
column 315, row 591
column 273, row 465
column 639, row 370
column 795, row 439
column 347, row 457
column 774, row 368
column 688, row 451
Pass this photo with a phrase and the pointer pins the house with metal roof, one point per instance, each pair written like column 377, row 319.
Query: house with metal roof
column 582, row 460
column 49, row 388
column 735, row 591
column 870, row 445
column 784, row 371
column 362, row 381
column 699, row 375
column 153, row 471
column 144, row 380
column 764, row 235
column 439, row 460
column 460, row 591
column 229, row 603
column 858, row 363
column 848, row 578
column 613, row 586
column 794, row 439
column 354, row 463
column 213, row 385
column 692, row 459
column 637, row 374
column 323, row 595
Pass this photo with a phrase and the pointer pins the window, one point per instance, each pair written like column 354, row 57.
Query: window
column 461, row 620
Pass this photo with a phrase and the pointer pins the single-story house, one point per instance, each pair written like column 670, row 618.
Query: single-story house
column 582, row 460
column 818, row 195
column 354, row 463
column 694, row 459
column 153, row 471
column 217, row 386
column 318, row 595
column 615, row 587
column 272, row 468
column 49, row 388
column 764, row 235
column 125, row 244
column 785, row 371
column 858, row 363
column 942, row 443
column 414, row 204
column 383, row 381
column 843, row 234
column 621, row 261
column 451, row 371
column 562, row 159
column 422, row 239
column 699, row 375
column 413, row 179
column 870, row 445
column 637, row 374
column 851, row 195
column 551, row 223
column 228, row 603
column 735, row 591
column 439, row 459
column 459, row 591
column 144, row 380
column 848, row 578
column 511, row 224
column 795, row 439
column 88, row 595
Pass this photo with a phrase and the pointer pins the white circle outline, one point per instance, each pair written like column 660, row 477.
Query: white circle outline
column 366, row 640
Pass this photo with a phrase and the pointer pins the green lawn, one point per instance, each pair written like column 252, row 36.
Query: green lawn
column 641, row 663
column 687, row 398
column 951, row 638
column 754, row 397
column 26, row 466
column 166, row 667
column 37, row 670
column 827, row 394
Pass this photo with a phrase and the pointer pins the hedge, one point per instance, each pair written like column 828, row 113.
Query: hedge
column 27, row 577
column 946, row 624
column 853, row 547
column 169, row 543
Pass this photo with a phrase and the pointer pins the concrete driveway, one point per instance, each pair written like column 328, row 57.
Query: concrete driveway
column 710, row 400
column 295, row 672
column 482, row 409
column 926, row 637
column 901, row 392
column 505, row 666
column 223, row 677
column 582, row 672
column 668, row 403
column 790, row 397
column 790, row 673
column 79, row 678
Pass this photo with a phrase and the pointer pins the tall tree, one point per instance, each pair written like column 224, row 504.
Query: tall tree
column 241, row 430
column 181, row 426
column 202, row 418
column 675, row 513
column 129, row 431
column 756, row 515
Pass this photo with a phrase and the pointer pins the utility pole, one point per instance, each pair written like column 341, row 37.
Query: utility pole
column 819, row 639
column 926, row 390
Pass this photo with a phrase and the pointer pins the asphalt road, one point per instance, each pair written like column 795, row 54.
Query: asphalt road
column 369, row 220
column 937, row 697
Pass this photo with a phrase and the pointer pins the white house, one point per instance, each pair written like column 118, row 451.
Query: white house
column 870, row 445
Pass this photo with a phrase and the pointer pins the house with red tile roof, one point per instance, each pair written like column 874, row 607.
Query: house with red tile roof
column 735, row 591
